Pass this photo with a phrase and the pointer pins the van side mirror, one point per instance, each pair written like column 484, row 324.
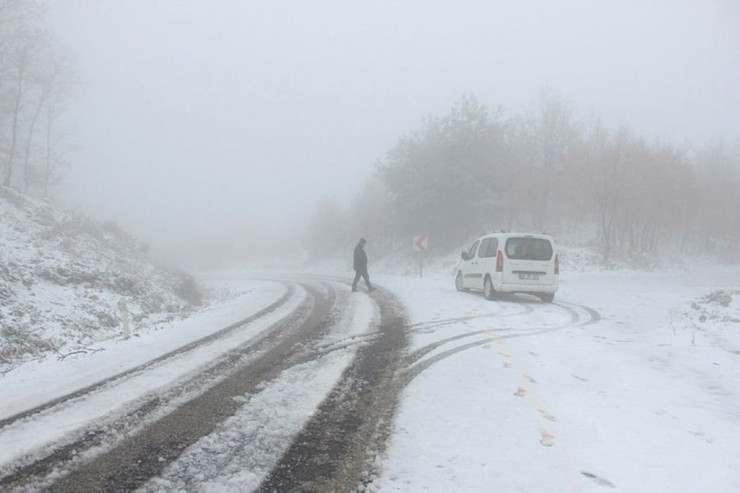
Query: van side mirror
column 464, row 255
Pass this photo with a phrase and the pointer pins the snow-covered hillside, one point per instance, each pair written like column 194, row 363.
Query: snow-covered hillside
column 66, row 282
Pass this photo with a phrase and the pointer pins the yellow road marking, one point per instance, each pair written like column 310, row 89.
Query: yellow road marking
column 546, row 415
column 547, row 439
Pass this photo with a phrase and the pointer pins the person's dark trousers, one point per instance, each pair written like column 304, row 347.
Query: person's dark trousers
column 364, row 275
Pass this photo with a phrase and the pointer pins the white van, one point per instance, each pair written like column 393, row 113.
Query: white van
column 510, row 263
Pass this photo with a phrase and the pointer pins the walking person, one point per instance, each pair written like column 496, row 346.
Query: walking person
column 360, row 266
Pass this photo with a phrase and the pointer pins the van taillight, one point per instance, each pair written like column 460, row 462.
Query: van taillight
column 557, row 265
column 499, row 262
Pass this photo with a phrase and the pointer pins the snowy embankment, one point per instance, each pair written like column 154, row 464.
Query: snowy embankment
column 66, row 282
column 45, row 379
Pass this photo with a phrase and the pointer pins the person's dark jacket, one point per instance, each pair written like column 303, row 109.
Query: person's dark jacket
column 360, row 262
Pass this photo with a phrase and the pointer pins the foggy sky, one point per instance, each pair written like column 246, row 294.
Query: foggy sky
column 210, row 117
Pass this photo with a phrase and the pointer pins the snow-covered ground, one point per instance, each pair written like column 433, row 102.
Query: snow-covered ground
column 640, row 393
column 65, row 281
column 630, row 380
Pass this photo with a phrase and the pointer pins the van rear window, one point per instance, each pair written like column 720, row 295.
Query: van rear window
column 528, row 249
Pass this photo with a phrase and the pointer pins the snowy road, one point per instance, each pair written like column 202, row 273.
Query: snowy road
column 131, row 424
column 629, row 381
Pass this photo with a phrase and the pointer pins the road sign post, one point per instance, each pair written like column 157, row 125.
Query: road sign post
column 421, row 245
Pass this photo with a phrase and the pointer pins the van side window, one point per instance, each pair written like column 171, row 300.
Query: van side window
column 488, row 247
column 484, row 247
column 492, row 248
column 473, row 248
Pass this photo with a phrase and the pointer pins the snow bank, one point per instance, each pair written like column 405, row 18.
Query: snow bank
column 66, row 282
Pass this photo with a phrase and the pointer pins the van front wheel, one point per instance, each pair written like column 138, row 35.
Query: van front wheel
column 459, row 282
column 547, row 297
column 488, row 290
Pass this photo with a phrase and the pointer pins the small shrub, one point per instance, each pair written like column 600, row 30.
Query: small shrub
column 187, row 289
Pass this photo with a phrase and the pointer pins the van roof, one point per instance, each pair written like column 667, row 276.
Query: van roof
column 517, row 235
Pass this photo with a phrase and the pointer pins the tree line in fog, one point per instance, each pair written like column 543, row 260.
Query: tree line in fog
column 474, row 170
column 37, row 78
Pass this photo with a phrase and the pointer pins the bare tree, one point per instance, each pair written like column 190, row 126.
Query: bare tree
column 718, row 208
column 554, row 135
column 59, row 83
column 18, row 78
column 34, row 83
column 39, row 86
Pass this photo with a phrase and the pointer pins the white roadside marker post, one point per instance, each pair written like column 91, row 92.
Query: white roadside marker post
column 125, row 318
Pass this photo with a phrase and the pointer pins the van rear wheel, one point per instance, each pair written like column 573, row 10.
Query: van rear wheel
column 488, row 290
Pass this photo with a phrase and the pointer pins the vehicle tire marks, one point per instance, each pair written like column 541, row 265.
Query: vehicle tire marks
column 416, row 370
column 420, row 353
column 138, row 369
column 416, row 364
column 436, row 324
column 593, row 318
column 146, row 450
column 335, row 449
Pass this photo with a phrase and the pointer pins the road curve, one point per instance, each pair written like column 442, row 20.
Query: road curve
column 335, row 449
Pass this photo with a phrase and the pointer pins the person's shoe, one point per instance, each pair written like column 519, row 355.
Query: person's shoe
column 370, row 290
column 354, row 290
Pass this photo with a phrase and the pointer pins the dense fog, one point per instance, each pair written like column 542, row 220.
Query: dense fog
column 242, row 127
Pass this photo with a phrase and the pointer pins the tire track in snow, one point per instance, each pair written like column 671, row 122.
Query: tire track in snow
column 109, row 433
column 336, row 449
column 145, row 454
column 416, row 363
column 145, row 366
